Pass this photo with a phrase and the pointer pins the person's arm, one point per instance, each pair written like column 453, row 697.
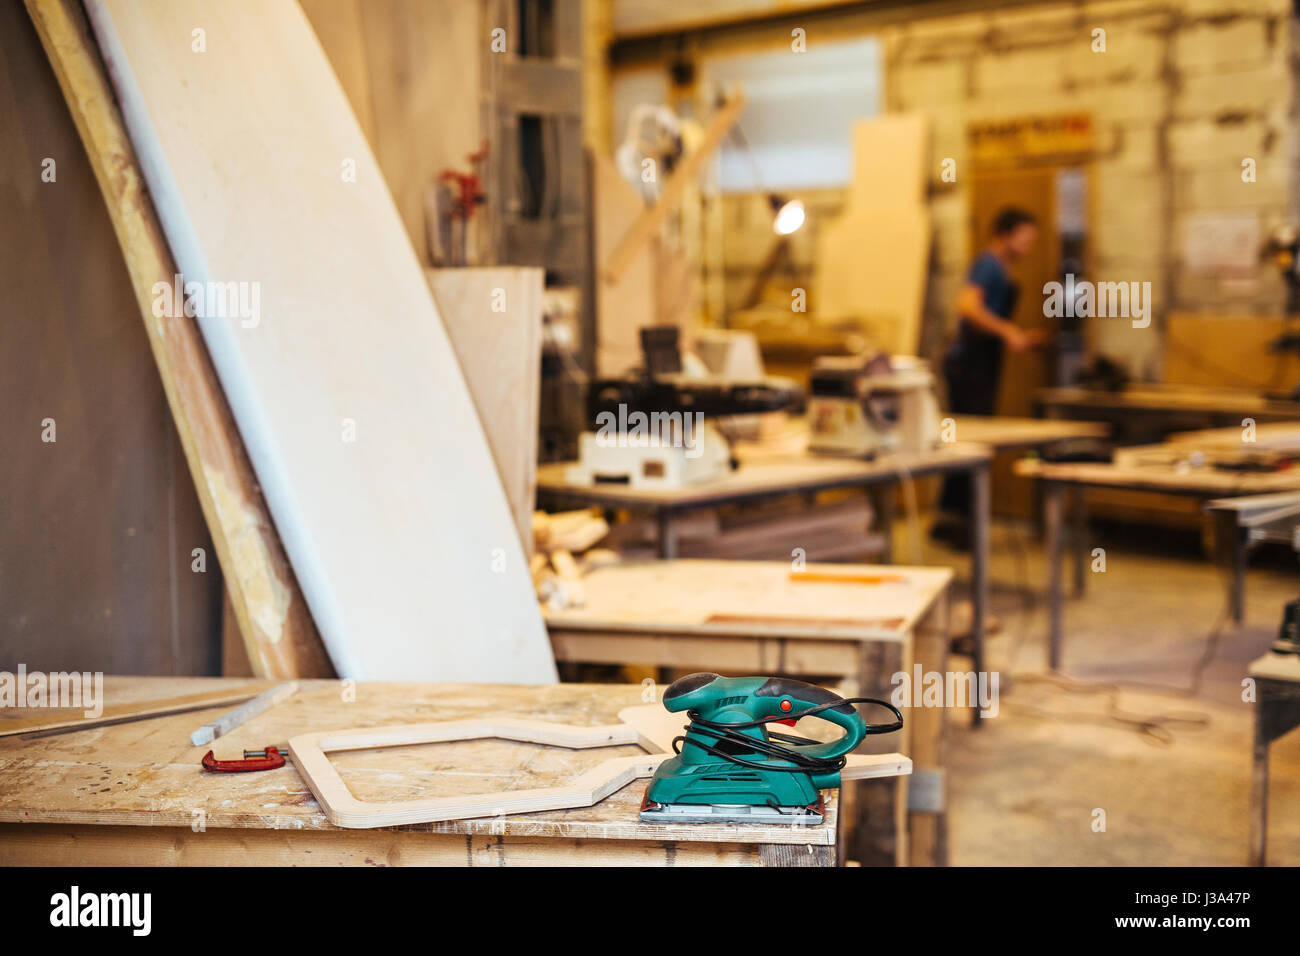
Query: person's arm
column 971, row 308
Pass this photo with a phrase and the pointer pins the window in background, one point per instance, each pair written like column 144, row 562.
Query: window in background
column 799, row 114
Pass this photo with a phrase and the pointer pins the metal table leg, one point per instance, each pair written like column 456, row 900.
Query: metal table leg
column 667, row 534
column 1053, row 504
column 1240, row 551
column 882, row 502
column 1259, row 790
column 1079, row 534
column 979, row 556
column 1277, row 712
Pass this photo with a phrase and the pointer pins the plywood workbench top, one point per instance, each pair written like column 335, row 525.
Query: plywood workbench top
column 146, row 773
column 756, row 599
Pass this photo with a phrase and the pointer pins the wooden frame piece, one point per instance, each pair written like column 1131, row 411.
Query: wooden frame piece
column 650, row 727
column 243, row 713
column 311, row 758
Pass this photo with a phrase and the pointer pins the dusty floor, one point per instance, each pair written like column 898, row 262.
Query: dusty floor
column 1025, row 787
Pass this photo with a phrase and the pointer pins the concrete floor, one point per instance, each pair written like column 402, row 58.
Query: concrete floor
column 1024, row 788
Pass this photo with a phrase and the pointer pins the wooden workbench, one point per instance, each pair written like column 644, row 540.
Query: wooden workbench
column 868, row 623
column 764, row 474
column 1275, row 436
column 1149, row 412
column 1203, row 482
column 134, row 794
column 1008, row 436
column 761, row 474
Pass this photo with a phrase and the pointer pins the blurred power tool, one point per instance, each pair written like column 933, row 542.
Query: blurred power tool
column 1288, row 635
column 730, row 769
column 865, row 406
column 651, row 148
column 662, row 427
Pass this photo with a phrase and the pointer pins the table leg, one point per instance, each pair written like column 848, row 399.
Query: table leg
column 873, row 813
column 1277, row 712
column 882, row 502
column 1259, row 790
column 1079, row 533
column 1240, row 543
column 1230, row 550
column 1053, row 495
column 927, row 816
column 980, row 480
column 667, row 535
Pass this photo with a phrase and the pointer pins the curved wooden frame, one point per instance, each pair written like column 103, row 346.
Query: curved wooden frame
column 311, row 758
column 650, row 727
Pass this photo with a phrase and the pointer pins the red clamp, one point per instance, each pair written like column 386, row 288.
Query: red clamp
column 268, row 759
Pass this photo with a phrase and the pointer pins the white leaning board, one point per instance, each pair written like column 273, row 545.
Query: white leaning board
column 401, row 539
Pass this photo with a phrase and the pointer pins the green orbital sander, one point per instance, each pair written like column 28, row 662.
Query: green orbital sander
column 729, row 768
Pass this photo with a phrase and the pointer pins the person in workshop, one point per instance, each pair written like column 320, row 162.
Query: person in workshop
column 973, row 365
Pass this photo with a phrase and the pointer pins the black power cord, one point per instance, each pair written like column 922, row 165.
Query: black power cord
column 727, row 734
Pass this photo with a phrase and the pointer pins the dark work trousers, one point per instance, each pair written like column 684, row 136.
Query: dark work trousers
column 973, row 370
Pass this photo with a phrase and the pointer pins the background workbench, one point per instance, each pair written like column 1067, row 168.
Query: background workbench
column 861, row 622
column 134, row 794
column 761, row 474
column 766, row 474
column 1148, row 412
column 1203, row 482
column 1008, row 436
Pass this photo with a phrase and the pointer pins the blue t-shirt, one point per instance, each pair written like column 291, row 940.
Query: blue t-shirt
column 977, row 352
column 988, row 273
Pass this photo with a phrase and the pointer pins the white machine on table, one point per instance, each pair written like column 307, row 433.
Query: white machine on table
column 865, row 406
column 659, row 426
column 650, row 457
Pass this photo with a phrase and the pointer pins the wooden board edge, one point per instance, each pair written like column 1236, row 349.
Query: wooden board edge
column 874, row 766
column 126, row 712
